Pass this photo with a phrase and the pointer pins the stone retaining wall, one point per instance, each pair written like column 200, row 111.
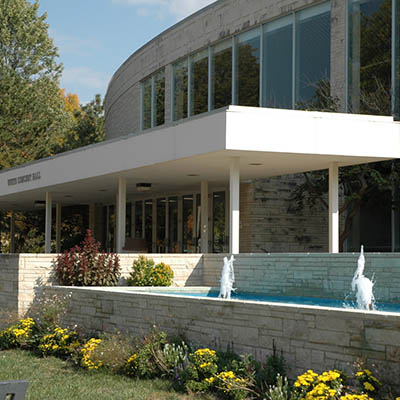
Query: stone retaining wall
column 315, row 275
column 310, row 337
column 22, row 275
column 319, row 275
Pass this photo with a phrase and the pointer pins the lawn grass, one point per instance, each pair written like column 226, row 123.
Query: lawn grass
column 53, row 379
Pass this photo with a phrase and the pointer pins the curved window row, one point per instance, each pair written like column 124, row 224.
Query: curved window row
column 286, row 63
column 288, row 58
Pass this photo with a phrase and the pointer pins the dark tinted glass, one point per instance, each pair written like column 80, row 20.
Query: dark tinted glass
column 248, row 69
column 222, row 75
column 278, row 64
column 180, row 90
column 159, row 95
column 313, row 47
column 199, row 82
column 370, row 53
column 147, row 104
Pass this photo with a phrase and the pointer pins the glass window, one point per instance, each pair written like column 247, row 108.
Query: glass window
column 159, row 98
column 278, row 64
column 148, row 215
column 248, row 69
column 128, row 220
column 218, row 222
column 161, row 214
column 187, row 221
column 370, row 67
column 138, row 219
column 313, row 44
column 173, row 245
column 180, row 71
column 222, row 75
column 146, row 106
column 199, row 83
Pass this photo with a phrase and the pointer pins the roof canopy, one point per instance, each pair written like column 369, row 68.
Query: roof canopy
column 269, row 142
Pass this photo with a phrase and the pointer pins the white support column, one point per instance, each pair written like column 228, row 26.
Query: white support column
column 334, row 208
column 58, row 228
column 47, row 230
column 234, row 189
column 204, row 217
column 121, row 214
column 12, row 232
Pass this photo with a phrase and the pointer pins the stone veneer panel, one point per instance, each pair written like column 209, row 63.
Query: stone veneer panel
column 310, row 337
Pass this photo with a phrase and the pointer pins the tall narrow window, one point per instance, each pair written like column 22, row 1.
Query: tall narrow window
column 159, row 98
column 222, row 75
column 173, row 245
column 370, row 54
column 161, row 213
column 148, row 215
column 153, row 101
column 138, row 219
column 278, row 64
column 248, row 69
column 146, row 106
column 180, row 97
column 199, row 83
column 218, row 222
column 128, row 220
column 188, row 222
column 313, row 48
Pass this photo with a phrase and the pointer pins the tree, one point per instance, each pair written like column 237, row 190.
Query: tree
column 88, row 127
column 33, row 118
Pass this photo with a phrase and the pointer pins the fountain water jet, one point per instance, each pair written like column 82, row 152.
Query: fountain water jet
column 227, row 278
column 362, row 285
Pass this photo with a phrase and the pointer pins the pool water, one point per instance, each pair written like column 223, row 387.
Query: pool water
column 311, row 301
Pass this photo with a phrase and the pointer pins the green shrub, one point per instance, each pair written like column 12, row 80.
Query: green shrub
column 112, row 353
column 147, row 351
column 146, row 273
column 199, row 373
column 60, row 343
column 87, row 266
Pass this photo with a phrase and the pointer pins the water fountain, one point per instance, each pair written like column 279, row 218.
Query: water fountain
column 362, row 285
column 227, row 278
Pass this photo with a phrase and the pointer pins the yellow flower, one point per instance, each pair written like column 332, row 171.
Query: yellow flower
column 368, row 386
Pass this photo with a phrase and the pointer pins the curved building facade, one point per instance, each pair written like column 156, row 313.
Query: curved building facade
column 211, row 125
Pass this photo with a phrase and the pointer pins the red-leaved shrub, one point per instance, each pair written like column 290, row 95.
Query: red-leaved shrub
column 86, row 265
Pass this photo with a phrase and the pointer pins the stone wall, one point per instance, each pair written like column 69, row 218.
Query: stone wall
column 269, row 223
column 314, row 275
column 310, row 337
column 23, row 275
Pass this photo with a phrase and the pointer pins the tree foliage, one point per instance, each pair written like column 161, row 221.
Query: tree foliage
column 33, row 119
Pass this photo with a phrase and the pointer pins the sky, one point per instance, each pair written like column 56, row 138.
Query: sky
column 94, row 37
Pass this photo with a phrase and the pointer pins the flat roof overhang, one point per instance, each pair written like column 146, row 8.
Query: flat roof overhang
column 268, row 142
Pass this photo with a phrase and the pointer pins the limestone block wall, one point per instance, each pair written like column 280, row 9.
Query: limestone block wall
column 309, row 337
column 22, row 276
column 302, row 274
column 188, row 268
column 270, row 225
